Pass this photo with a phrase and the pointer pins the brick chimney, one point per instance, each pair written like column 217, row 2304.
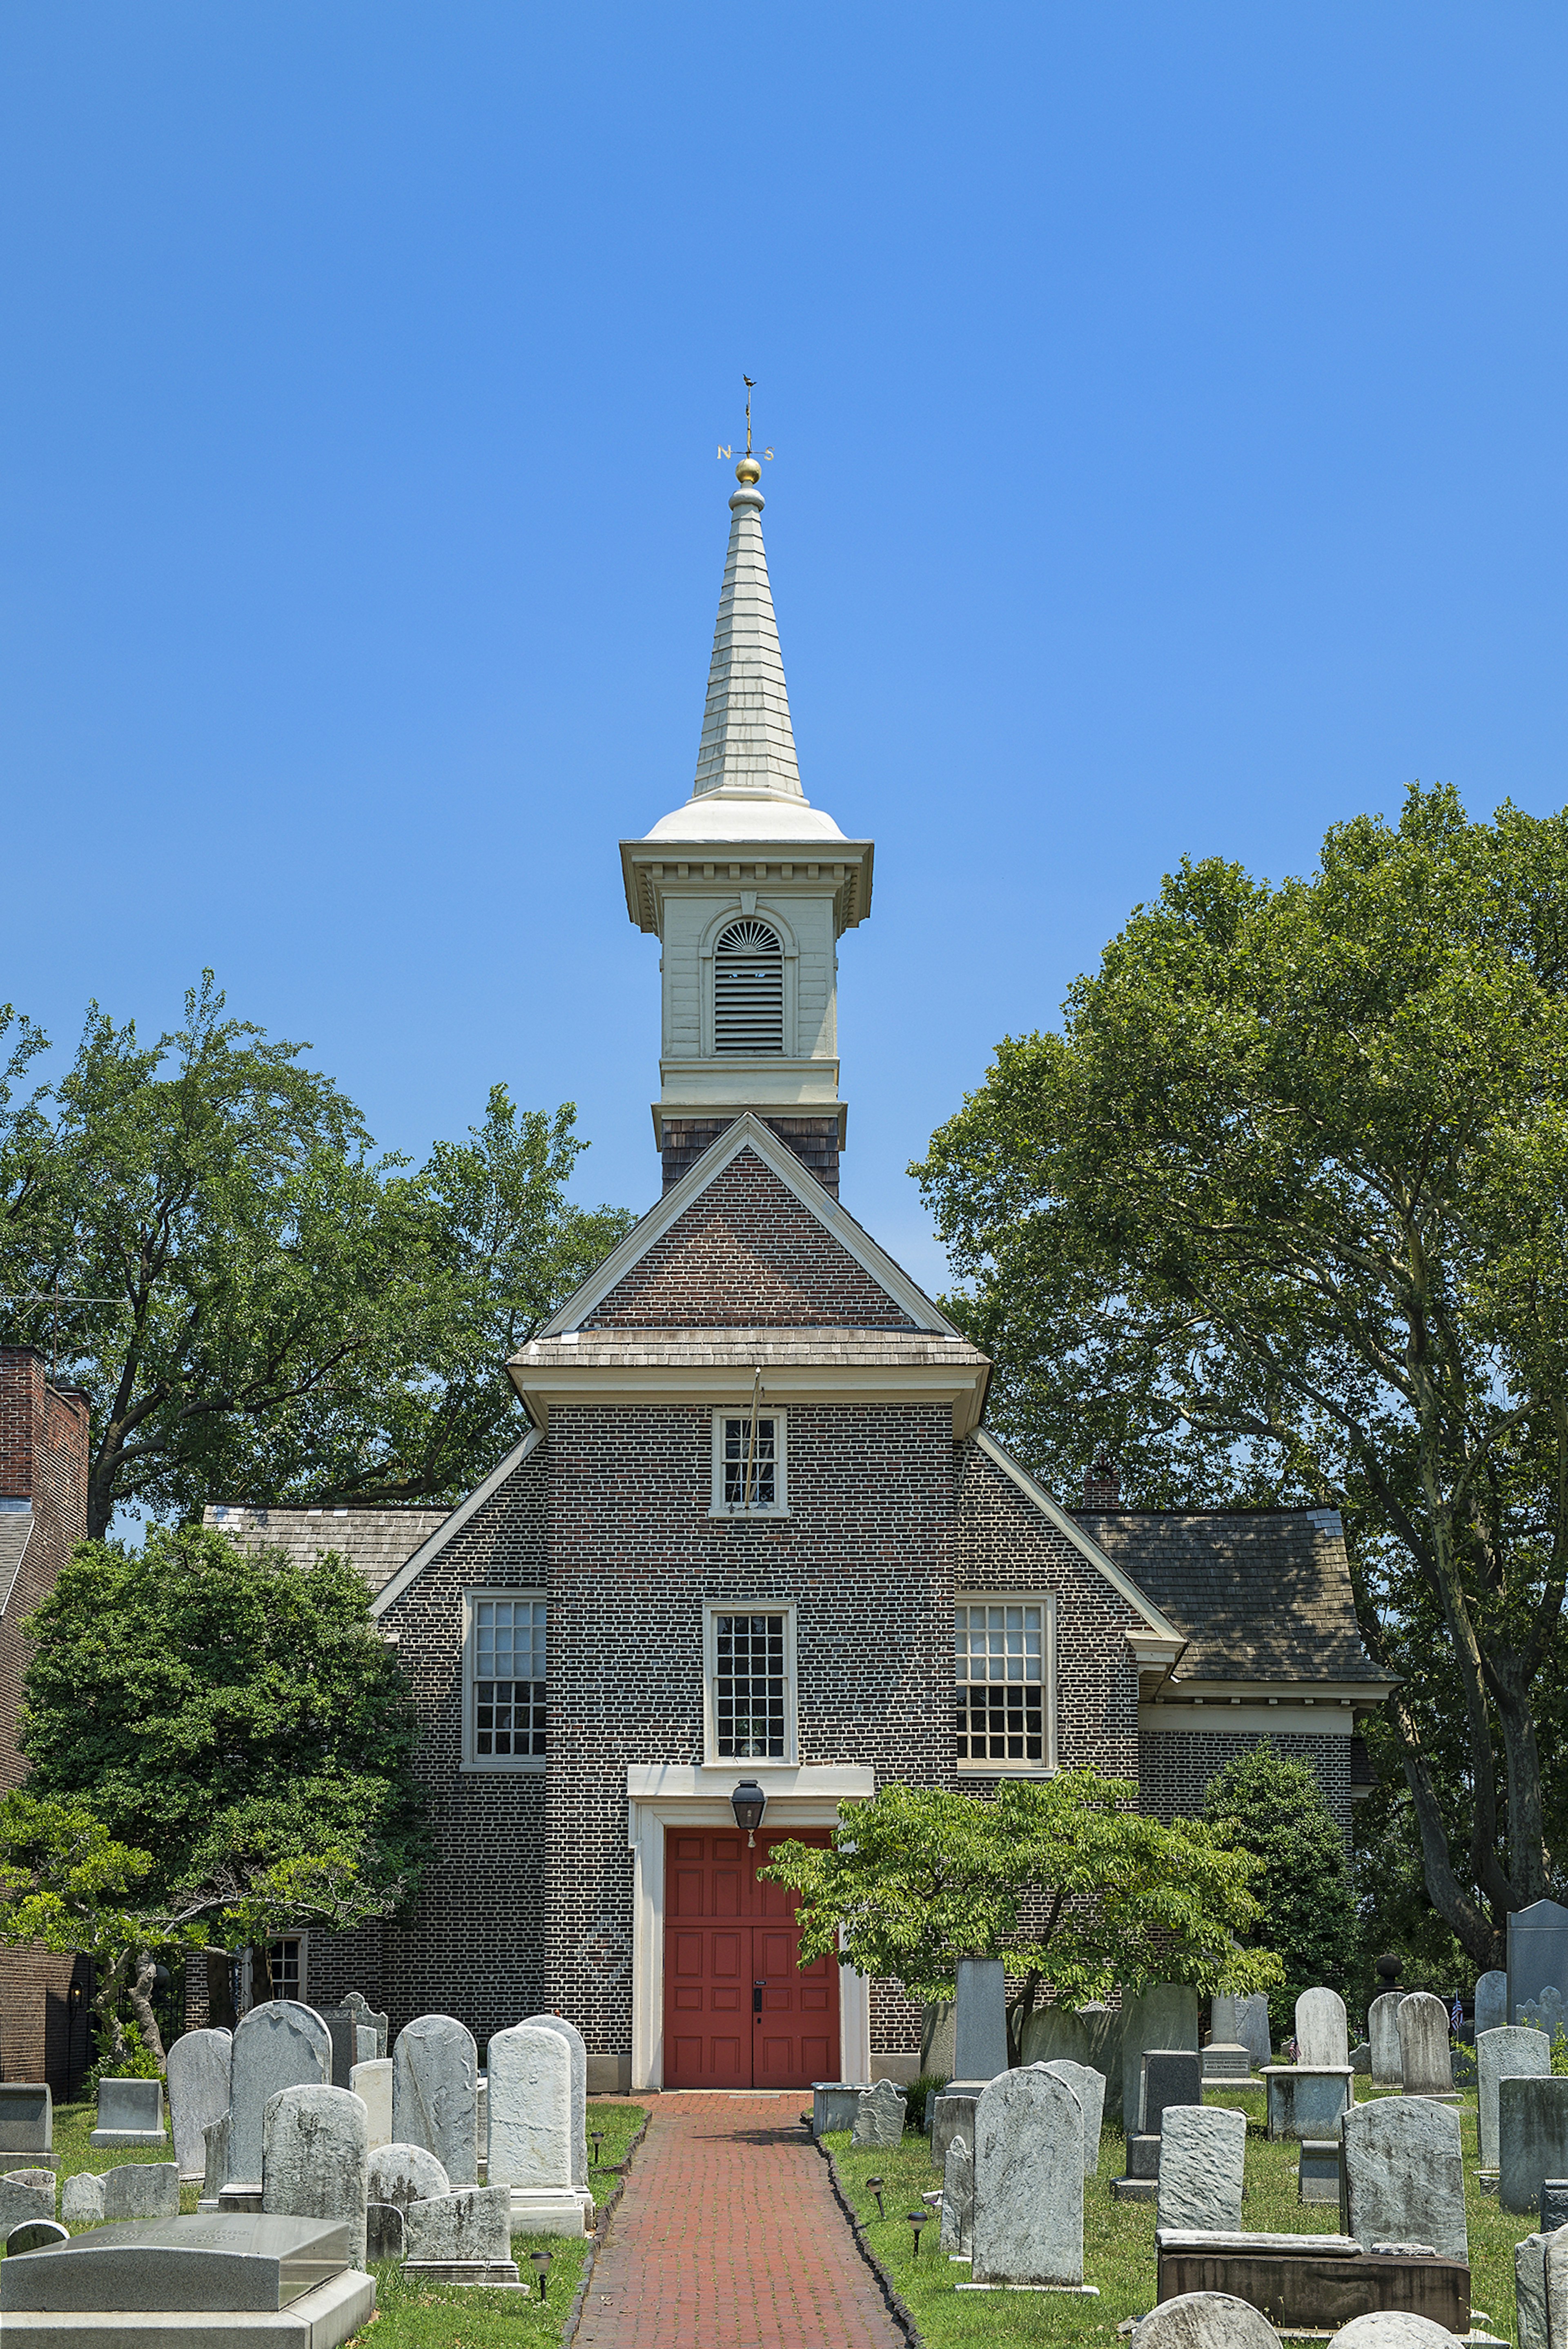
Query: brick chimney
column 1103, row 1483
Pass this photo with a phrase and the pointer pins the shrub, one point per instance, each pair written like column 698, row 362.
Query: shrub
column 1266, row 1804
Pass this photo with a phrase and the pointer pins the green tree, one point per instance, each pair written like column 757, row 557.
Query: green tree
column 1282, row 1214
column 1062, row 1880
column 1274, row 1808
column 238, row 1719
column 259, row 1308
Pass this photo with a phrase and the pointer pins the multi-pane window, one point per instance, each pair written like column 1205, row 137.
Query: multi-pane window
column 1000, row 1665
column 749, row 1464
column 508, row 1679
column 283, row 1965
column 748, row 989
column 750, row 1687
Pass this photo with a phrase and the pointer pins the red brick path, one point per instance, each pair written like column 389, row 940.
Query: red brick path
column 728, row 2237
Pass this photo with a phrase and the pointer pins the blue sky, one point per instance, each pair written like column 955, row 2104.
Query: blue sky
column 1170, row 459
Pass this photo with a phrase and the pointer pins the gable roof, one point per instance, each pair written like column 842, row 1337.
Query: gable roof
column 375, row 1541
column 453, row 1525
column 1162, row 1632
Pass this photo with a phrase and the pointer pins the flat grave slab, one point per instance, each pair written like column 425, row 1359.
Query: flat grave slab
column 1310, row 2284
column 211, row 2266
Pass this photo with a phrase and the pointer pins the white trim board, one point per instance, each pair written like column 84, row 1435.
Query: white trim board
column 433, row 1544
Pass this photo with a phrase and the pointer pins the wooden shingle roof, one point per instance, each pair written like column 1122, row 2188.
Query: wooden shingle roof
column 375, row 1541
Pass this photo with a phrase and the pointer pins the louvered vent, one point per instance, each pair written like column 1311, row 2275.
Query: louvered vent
column 748, row 990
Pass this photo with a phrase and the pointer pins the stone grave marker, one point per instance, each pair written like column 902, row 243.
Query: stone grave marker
column 1537, row 1953
column 531, row 2116
column 1553, row 2204
column 1491, row 2004
column 980, row 2028
column 342, row 2022
column 383, row 2229
column 1544, row 2014
column 81, row 2199
column 1507, row 2052
column 435, row 2094
column 1204, row 2320
column 1383, row 2038
column 365, row 2020
column 224, row 2266
column 1531, row 2138
column 316, row 2161
column 1089, row 2087
column 1303, row 2101
column 142, row 2189
column 1168, row 2076
column 35, row 2235
column 1243, row 2022
column 1323, row 2035
column 1530, row 2292
column 279, row 2045
column 1423, row 2046
column 1402, row 2176
column 1028, row 2183
column 130, row 2113
column 1163, row 2016
column 401, row 2174
column 366, row 2043
column 1201, row 2156
column 198, row 2082
column 372, row 2084
column 577, row 2047
column 952, row 2115
column 956, row 2234
column 1556, row 2277
column 1317, row 2170
column 27, row 2118
column 1393, row 2328
column 216, row 2136
column 879, row 2117
column 471, row 2225
column 21, row 2199
column 833, row 2104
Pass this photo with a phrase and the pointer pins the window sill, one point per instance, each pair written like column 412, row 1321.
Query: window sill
column 527, row 1765
column 753, row 1769
column 1007, row 1769
column 746, row 1517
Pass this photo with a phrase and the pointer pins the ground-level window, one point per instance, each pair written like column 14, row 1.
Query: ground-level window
column 751, row 1691
column 504, row 1699
column 750, row 1463
column 1005, row 1675
column 284, row 1964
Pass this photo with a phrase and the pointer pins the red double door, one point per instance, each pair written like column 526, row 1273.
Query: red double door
column 739, row 2012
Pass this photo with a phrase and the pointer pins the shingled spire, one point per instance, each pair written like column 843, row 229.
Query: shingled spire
column 748, row 744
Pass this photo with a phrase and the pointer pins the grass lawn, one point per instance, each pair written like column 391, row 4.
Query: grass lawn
column 422, row 2316
column 1118, row 2240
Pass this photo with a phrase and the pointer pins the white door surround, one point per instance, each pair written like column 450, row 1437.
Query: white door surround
column 675, row 1795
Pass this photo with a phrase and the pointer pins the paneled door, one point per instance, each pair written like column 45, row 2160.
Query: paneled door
column 738, row 2011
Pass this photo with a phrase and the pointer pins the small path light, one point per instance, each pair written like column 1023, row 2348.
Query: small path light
column 918, row 2219
column 540, row 2261
column 874, row 2186
column 597, row 2138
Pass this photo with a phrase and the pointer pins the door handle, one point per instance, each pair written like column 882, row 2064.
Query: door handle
column 757, row 1998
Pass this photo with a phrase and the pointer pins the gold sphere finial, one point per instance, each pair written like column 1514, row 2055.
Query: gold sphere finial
column 748, row 470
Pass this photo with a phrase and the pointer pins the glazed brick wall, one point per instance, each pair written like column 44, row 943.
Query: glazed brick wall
column 814, row 1140
column 743, row 1255
column 863, row 1553
column 1176, row 1765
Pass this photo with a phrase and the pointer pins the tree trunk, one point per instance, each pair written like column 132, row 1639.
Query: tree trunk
column 139, row 1992
column 112, row 2045
column 261, row 1974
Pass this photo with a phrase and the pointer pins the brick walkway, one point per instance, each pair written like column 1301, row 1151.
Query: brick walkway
column 728, row 2237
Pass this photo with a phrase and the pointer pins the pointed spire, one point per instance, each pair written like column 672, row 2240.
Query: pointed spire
column 748, row 744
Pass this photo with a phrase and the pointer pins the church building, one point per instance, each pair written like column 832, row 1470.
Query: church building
column 757, row 1553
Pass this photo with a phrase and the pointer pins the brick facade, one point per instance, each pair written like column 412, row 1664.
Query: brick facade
column 814, row 1140
column 1177, row 1764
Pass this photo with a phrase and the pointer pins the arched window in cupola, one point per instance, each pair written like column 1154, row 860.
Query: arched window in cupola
column 748, row 989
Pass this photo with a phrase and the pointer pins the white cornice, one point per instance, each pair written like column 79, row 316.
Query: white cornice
column 1163, row 1630
column 431, row 1547
column 652, row 870
column 545, row 1387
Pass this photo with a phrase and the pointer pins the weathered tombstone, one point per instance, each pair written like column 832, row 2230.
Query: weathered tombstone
column 81, row 2199
column 1052, row 2033
column 1317, row 2170
column 372, row 2084
column 216, row 2136
column 1531, row 2138
column 1424, row 2058
column 1491, row 2004
column 1168, row 2076
column 957, row 2233
column 1242, row 2022
column 1089, row 2087
column 1393, row 2328
column 142, row 2189
column 401, row 2174
column 577, row 2048
column 879, row 2117
column 1383, row 2038
column 1553, row 2204
column 435, row 2094
column 1556, row 2272
column 279, row 2045
column 366, row 2043
column 234, row 2267
column 27, row 2118
column 952, row 2115
column 35, row 2235
column 833, row 2104
column 1537, row 1953
column 1163, row 2016
column 130, row 2113
column 1530, row 2292
column 980, row 2029
column 1403, row 2175
column 1029, row 2182
column 1323, row 2035
column 1204, row 2320
column 530, row 2108
column 471, row 2225
column 20, row 2201
column 342, row 2022
column 1203, row 2154
column 383, row 2226
column 316, row 2160
column 1303, row 2101
column 199, row 2064
column 1545, row 2013
column 1509, row 2052
column 364, row 2019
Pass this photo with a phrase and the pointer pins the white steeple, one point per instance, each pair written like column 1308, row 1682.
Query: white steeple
column 748, row 744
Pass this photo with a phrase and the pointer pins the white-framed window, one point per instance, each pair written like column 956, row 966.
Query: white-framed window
column 751, row 1462
column 748, row 1648
column 1004, row 1670
column 748, row 989
column 286, row 1965
column 504, row 1680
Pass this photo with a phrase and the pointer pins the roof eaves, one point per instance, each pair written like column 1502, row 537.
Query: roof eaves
column 1087, row 1547
column 429, row 1550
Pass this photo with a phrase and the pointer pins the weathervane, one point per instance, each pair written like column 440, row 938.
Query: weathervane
column 750, row 382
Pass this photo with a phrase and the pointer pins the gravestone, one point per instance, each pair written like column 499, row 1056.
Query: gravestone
column 1393, row 2328
column 1243, row 2022
column 1052, row 2032
column 1202, row 2152
column 435, row 2094
column 198, row 2082
column 27, row 2118
column 956, row 2234
column 372, row 2084
column 1089, row 2087
column 142, row 2189
column 1492, row 2002
column 1383, row 2038
column 1557, row 2266
column 342, row 2022
column 980, row 2024
column 1303, row 2101
column 1029, row 2182
column 1204, row 2320
column 35, row 2235
column 1163, row 2016
column 1537, row 1953
column 1403, row 2176
column 1317, row 2170
column 577, row 2048
column 879, row 2117
column 1544, row 2014
column 401, row 2174
column 473, row 2223
column 1530, row 2292
column 130, row 2113
column 222, row 2266
column 316, row 2161
column 1531, row 2138
column 1553, row 2204
column 365, row 2020
column 81, row 2199
column 217, row 2178
column 279, row 2045
column 952, row 2115
column 366, row 2043
column 531, row 2119
column 1424, row 2058
column 21, row 2199
column 1168, row 2076
column 1323, row 2035
column 1510, row 2052
column 834, row 2103
column 383, row 2227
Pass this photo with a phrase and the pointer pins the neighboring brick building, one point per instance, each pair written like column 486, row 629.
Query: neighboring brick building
column 43, row 1516
column 757, row 1531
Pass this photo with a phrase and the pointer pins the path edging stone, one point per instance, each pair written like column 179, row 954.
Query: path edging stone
column 602, row 2215
column 902, row 2316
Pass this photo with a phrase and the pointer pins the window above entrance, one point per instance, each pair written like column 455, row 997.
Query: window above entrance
column 750, row 1694
column 751, row 1467
column 1004, row 1669
column 503, row 1647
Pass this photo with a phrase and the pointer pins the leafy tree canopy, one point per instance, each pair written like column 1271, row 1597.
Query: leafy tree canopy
column 259, row 1308
column 1274, row 1808
column 1072, row 1889
column 1282, row 1214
